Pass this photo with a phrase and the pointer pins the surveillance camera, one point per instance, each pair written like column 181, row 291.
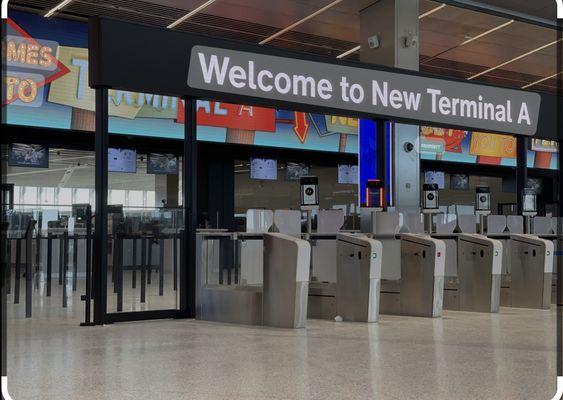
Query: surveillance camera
column 408, row 146
column 410, row 40
column 373, row 42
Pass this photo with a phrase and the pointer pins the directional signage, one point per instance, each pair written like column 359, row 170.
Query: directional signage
column 391, row 94
column 187, row 65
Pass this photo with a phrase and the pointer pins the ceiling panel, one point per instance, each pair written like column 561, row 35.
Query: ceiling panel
column 337, row 30
column 537, row 8
column 450, row 26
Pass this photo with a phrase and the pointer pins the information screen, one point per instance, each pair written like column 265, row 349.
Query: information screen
column 122, row 160
column 162, row 164
column 437, row 177
column 28, row 155
column 294, row 171
column 263, row 169
column 348, row 174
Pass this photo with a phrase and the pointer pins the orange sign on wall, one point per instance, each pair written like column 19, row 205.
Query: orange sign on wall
column 487, row 145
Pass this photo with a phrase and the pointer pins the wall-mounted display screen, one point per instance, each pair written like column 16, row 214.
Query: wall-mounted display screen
column 437, row 177
column 122, row 160
column 162, row 164
column 63, row 99
column 459, row 182
column 263, row 169
column 294, row 171
column 28, row 155
column 462, row 146
column 535, row 184
column 348, row 174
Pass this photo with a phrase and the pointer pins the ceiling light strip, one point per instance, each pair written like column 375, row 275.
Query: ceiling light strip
column 542, row 80
column 545, row 46
column 308, row 17
column 427, row 13
column 190, row 14
column 348, row 52
column 58, row 7
column 487, row 33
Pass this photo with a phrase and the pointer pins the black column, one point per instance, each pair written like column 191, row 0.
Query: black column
column 189, row 194
column 560, row 203
column 521, row 169
column 381, row 158
column 99, row 270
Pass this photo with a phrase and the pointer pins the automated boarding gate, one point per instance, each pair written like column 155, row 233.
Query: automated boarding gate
column 282, row 299
column 527, row 264
column 479, row 272
column 473, row 265
column 531, row 272
column 358, row 280
column 422, row 275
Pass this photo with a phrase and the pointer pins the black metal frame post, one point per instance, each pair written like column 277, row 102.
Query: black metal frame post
column 29, row 268
column 521, row 169
column 100, row 264
column 88, row 295
column 189, row 193
column 381, row 145
column 559, row 116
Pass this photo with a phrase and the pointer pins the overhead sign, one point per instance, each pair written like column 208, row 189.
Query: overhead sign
column 235, row 72
column 389, row 94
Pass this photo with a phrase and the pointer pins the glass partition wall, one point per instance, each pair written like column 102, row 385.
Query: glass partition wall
column 145, row 195
column 145, row 221
column 47, row 250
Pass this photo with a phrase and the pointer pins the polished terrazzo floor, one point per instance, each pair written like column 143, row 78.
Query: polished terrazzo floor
column 509, row 356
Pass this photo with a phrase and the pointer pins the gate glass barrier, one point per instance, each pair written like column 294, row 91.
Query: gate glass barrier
column 143, row 259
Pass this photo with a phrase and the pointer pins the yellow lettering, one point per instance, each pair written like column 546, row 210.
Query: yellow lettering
column 27, row 91
column 16, row 52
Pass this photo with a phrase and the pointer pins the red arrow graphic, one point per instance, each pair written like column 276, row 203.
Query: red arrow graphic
column 301, row 126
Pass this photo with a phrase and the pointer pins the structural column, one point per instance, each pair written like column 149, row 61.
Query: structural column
column 389, row 36
column 100, row 264
column 189, row 193
column 521, row 169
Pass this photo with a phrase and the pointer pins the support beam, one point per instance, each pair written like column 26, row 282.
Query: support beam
column 100, row 265
column 189, row 194
column 521, row 169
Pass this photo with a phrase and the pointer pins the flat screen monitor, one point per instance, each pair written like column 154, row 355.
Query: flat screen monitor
column 459, row 182
column 295, row 171
column 122, row 160
column 263, row 169
column 162, row 164
column 437, row 177
column 28, row 155
column 348, row 174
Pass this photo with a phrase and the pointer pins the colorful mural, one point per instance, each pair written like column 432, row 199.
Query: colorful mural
column 47, row 86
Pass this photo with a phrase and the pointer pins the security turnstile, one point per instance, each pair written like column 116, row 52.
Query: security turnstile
column 422, row 275
column 282, row 299
column 358, row 279
column 531, row 271
column 479, row 272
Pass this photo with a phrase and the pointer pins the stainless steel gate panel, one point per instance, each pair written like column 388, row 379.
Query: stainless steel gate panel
column 358, row 280
column 479, row 268
column 286, row 281
column 532, row 268
column 422, row 275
